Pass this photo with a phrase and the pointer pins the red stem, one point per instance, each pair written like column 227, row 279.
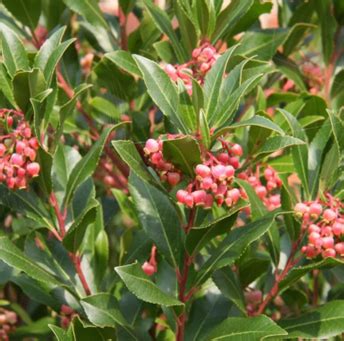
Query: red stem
column 77, row 264
column 182, row 281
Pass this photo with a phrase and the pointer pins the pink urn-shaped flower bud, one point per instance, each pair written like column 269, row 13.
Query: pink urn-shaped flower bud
column 234, row 161
column 229, row 171
column 196, row 52
column 20, row 147
column 199, row 197
column 2, row 149
column 300, row 209
column 219, row 172
column 17, row 159
column 181, row 195
column 313, row 237
column 315, row 209
column 152, row 146
column 328, row 242
column 173, row 178
column 209, row 200
column 236, row 149
column 338, row 228
column 329, row 215
column 275, row 200
column 171, row 71
column 329, row 253
column 223, row 157
column 261, row 191
column 33, row 169
column 207, row 182
column 313, row 228
column 148, row 268
column 203, row 170
column 339, row 247
column 208, row 52
column 189, row 201
column 234, row 194
column 269, row 173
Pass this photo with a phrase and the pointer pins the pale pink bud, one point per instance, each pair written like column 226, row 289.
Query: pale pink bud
column 148, row 268
column 229, row 171
column 253, row 181
column 181, row 195
column 329, row 215
column 328, row 242
column 236, row 149
column 33, row 169
column 207, row 182
column 33, row 143
column 329, row 253
column 173, row 178
column 315, row 210
column 339, row 247
column 189, row 200
column 234, row 161
column 152, row 146
column 300, row 209
column 221, row 190
column 109, row 180
column 269, row 173
column 275, row 200
column 313, row 228
column 271, row 185
column 313, row 237
column 156, row 158
column 338, row 228
column 234, row 194
column 208, row 52
column 326, row 231
column 223, row 157
column 261, row 191
column 21, row 172
column 199, row 197
column 205, row 67
column 219, row 172
column 196, row 52
column 20, row 147
column 171, row 71
column 208, row 201
column 17, row 159
column 11, row 182
column 27, row 132
column 203, row 170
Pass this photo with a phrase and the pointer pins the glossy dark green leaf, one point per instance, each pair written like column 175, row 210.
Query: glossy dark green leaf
column 14, row 257
column 87, row 165
column 143, row 287
column 228, row 283
column 328, row 27
column 6, row 86
column 279, row 142
column 232, row 247
column 320, row 323
column 204, row 129
column 103, row 311
column 199, row 236
column 163, row 23
column 248, row 329
column 184, row 153
column 229, row 17
column 13, row 50
column 89, row 9
column 158, row 217
column 26, row 11
column 125, row 61
column 162, row 90
column 76, row 232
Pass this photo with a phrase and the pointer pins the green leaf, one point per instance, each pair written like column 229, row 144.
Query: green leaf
column 204, row 13
column 337, row 130
column 13, row 50
column 199, row 236
column 76, row 232
column 103, row 311
column 214, row 81
column 315, row 156
column 13, row 256
column 224, row 113
column 158, row 217
column 184, row 153
column 36, row 328
column 142, row 286
column 129, row 154
column 228, row 283
column 233, row 246
column 186, row 110
column 125, row 61
column 26, row 11
column 27, row 85
column 258, row 210
column 87, row 165
column 50, row 54
column 328, row 26
column 6, row 86
column 229, row 17
column 204, row 129
column 248, row 329
column 27, row 203
column 256, row 121
column 320, row 323
column 106, row 107
column 162, row 91
column 279, row 142
column 89, row 9
column 298, row 272
column 61, row 334
column 163, row 23
column 300, row 152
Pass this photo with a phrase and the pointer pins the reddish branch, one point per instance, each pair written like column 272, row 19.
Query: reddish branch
column 182, row 281
column 291, row 262
column 61, row 221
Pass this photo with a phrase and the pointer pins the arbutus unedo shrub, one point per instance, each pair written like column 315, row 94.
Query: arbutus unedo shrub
column 171, row 170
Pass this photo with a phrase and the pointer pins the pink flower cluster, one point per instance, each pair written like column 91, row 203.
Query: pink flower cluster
column 323, row 222
column 166, row 170
column 67, row 313
column 202, row 60
column 266, row 192
column 8, row 319
column 214, row 180
column 253, row 298
column 17, row 150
